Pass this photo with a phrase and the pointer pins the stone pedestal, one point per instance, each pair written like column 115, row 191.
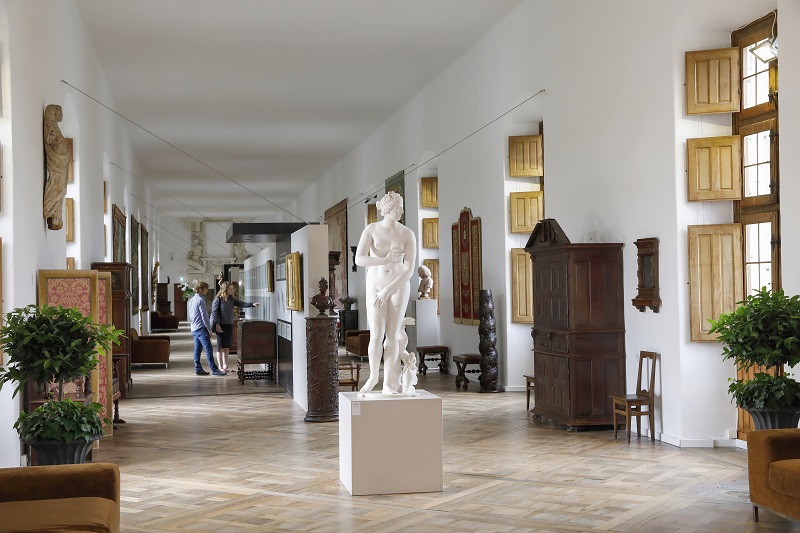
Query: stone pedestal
column 427, row 326
column 323, row 371
column 379, row 442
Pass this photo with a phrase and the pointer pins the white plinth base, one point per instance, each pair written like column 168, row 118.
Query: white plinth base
column 427, row 326
column 380, row 438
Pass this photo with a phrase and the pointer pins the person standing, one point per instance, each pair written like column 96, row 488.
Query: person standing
column 222, row 321
column 201, row 330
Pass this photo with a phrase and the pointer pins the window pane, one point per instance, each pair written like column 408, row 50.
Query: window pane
column 751, row 243
column 750, row 181
column 765, row 275
column 763, row 179
column 749, row 67
column 764, row 240
column 762, row 87
column 763, row 146
column 751, row 278
column 750, row 149
column 748, row 92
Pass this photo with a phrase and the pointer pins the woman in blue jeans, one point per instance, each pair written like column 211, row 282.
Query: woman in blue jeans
column 222, row 321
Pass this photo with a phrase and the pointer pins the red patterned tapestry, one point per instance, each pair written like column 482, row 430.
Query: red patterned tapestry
column 467, row 267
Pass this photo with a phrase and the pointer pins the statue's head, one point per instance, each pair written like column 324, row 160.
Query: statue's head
column 323, row 285
column 389, row 201
column 423, row 271
column 53, row 112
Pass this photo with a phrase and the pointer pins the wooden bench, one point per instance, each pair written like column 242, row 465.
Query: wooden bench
column 441, row 351
column 461, row 361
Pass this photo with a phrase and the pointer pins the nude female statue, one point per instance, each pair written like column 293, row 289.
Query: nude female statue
column 58, row 157
column 388, row 250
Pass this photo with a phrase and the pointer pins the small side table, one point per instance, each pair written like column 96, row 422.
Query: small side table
column 441, row 351
column 461, row 361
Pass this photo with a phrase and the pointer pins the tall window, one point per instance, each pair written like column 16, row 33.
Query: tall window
column 757, row 124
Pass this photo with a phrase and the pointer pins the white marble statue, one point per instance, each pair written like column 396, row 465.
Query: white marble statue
column 409, row 373
column 388, row 250
column 425, row 282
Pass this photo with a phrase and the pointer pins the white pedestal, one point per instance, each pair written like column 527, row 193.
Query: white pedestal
column 427, row 326
column 380, row 439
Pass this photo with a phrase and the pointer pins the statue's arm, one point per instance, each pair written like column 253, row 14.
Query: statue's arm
column 410, row 247
column 362, row 250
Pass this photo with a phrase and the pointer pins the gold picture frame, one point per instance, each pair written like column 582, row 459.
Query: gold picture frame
column 294, row 281
column 270, row 275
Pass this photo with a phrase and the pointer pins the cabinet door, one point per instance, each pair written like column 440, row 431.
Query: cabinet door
column 550, row 293
column 552, row 384
column 593, row 380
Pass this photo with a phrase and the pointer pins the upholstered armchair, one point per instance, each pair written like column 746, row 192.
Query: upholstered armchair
column 773, row 461
column 163, row 322
column 356, row 341
column 149, row 349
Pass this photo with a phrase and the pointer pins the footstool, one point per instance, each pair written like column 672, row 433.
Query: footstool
column 441, row 351
column 461, row 361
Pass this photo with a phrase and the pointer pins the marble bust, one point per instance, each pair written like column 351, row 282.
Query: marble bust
column 425, row 282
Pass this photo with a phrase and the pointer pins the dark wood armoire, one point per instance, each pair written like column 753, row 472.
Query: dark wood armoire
column 578, row 327
column 163, row 304
column 121, row 317
column 180, row 303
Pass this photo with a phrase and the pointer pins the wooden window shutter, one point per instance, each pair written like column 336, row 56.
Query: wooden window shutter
column 521, row 286
column 429, row 188
column 715, row 275
column 433, row 266
column 714, row 168
column 525, row 157
column 525, row 210
column 430, row 232
column 712, row 81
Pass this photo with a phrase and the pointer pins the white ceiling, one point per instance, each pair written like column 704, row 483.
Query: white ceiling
column 270, row 93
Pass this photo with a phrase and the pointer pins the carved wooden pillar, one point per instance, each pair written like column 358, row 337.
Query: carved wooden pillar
column 488, row 336
column 323, row 371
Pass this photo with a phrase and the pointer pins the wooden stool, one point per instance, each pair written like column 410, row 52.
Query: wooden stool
column 461, row 361
column 528, row 389
column 423, row 351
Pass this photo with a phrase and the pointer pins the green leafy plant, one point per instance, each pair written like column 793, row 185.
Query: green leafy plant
column 46, row 345
column 51, row 344
column 763, row 331
column 765, row 391
column 63, row 421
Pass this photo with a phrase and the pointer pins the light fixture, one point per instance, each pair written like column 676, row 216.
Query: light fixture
column 768, row 50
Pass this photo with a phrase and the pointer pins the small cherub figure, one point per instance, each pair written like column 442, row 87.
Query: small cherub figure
column 425, row 282
column 408, row 377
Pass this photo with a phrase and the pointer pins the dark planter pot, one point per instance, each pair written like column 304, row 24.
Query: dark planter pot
column 53, row 452
column 774, row 419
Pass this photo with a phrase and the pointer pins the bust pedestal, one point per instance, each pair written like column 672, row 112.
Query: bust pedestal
column 322, row 369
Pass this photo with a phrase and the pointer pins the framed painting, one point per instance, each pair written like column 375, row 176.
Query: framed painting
column 118, row 235
column 145, row 270
column 336, row 220
column 135, row 285
column 294, row 281
column 270, row 274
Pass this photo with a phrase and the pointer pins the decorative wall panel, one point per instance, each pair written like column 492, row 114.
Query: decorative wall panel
column 467, row 267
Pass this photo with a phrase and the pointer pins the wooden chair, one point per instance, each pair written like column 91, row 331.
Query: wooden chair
column 528, row 389
column 349, row 375
column 632, row 405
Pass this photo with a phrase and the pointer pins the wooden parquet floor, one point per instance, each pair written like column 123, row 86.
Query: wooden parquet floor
column 204, row 453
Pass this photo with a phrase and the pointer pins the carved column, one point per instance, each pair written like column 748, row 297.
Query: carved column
column 323, row 371
column 488, row 336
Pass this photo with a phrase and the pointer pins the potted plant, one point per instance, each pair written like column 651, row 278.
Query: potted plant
column 48, row 347
column 764, row 331
column 187, row 289
column 348, row 302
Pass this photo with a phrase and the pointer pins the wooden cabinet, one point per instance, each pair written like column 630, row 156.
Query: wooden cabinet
column 348, row 320
column 578, row 327
column 121, row 317
column 163, row 304
column 235, row 338
column 180, row 303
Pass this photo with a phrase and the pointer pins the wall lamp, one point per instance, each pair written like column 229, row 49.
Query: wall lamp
column 768, row 50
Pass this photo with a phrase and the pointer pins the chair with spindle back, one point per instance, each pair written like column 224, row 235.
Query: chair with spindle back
column 632, row 405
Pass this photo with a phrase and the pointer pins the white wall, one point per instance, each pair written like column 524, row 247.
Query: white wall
column 45, row 43
column 615, row 133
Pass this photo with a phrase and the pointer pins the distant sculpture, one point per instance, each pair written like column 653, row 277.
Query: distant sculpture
column 58, row 159
column 425, row 282
column 388, row 250
column 194, row 260
column 240, row 253
column 321, row 300
column 409, row 360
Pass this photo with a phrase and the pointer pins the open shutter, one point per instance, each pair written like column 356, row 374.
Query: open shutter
column 714, row 168
column 712, row 81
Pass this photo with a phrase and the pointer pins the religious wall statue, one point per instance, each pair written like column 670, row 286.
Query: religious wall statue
column 388, row 250
column 154, row 282
column 194, row 260
column 58, row 159
column 425, row 282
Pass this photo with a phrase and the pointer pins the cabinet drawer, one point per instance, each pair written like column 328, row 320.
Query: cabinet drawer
column 551, row 341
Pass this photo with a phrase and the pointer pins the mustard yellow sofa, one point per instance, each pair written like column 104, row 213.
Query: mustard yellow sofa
column 60, row 498
column 773, row 460
column 356, row 341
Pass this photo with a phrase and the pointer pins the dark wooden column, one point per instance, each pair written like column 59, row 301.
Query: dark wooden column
column 323, row 371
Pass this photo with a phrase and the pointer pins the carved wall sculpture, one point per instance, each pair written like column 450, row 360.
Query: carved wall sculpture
column 57, row 152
